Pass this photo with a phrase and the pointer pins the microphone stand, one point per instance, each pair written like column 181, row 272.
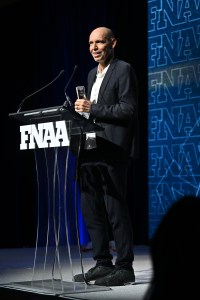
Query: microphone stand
column 42, row 88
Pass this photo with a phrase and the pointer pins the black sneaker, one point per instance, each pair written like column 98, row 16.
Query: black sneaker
column 118, row 277
column 94, row 273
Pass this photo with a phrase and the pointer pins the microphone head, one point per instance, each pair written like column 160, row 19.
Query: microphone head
column 61, row 72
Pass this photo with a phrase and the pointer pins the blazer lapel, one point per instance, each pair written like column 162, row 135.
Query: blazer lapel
column 92, row 80
column 105, row 81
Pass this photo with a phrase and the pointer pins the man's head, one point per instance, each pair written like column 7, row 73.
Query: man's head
column 101, row 44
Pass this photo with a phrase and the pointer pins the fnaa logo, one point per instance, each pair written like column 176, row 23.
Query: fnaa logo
column 44, row 135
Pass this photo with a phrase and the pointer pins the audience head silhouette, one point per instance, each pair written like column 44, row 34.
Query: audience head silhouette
column 175, row 252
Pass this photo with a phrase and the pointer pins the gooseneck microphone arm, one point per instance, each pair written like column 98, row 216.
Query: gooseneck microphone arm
column 42, row 88
column 68, row 101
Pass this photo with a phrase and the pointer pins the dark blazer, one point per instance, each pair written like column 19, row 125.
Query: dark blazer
column 116, row 109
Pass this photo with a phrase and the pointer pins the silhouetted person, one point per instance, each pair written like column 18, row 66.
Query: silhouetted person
column 175, row 251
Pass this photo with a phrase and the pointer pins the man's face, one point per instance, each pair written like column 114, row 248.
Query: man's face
column 101, row 47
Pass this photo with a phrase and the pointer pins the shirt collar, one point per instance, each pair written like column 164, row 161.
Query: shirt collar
column 102, row 74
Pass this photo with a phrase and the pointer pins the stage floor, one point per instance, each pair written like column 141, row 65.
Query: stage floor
column 52, row 278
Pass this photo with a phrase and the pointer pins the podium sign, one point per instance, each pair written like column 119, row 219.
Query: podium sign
column 45, row 135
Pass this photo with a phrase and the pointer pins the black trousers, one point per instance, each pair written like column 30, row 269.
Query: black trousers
column 103, row 197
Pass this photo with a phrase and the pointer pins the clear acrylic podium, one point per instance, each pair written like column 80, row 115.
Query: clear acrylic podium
column 52, row 256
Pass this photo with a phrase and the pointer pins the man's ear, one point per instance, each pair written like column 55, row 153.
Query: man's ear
column 114, row 42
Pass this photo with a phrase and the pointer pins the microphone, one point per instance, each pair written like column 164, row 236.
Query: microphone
column 42, row 88
column 68, row 101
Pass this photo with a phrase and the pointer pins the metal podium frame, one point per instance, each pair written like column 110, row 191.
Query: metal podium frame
column 77, row 125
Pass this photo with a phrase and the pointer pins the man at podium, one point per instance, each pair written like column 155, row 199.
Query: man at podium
column 106, row 157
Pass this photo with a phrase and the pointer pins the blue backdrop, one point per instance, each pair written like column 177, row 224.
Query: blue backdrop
column 174, row 104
